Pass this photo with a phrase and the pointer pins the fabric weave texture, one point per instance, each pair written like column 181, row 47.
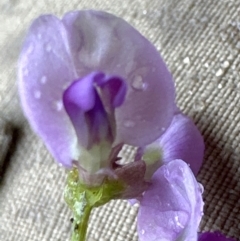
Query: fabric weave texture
column 200, row 42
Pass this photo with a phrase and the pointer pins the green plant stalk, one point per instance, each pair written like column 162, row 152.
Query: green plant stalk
column 80, row 230
column 81, row 199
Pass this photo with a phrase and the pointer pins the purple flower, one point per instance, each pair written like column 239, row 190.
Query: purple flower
column 90, row 83
column 216, row 236
column 172, row 207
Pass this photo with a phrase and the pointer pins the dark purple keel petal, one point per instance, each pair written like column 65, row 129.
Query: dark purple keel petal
column 101, row 41
column 86, row 111
column 113, row 90
column 171, row 208
column 83, row 103
column 45, row 69
column 182, row 140
column 216, row 236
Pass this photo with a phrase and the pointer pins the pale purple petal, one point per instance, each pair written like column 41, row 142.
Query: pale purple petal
column 182, row 140
column 45, row 69
column 171, row 208
column 100, row 41
column 216, row 236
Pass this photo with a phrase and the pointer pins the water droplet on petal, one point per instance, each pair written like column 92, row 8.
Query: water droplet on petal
column 138, row 83
column 48, row 48
column 43, row 80
column 129, row 123
column 201, row 188
column 178, row 222
column 142, row 231
column 39, row 36
column 37, row 94
column 58, row 105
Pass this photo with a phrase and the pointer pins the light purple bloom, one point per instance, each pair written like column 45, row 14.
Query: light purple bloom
column 90, row 83
column 172, row 207
column 81, row 47
column 216, row 236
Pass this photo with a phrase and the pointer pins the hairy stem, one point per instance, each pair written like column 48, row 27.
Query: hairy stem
column 80, row 229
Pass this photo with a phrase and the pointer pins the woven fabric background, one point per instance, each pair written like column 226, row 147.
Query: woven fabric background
column 200, row 41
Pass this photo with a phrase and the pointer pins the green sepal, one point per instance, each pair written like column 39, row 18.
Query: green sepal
column 82, row 199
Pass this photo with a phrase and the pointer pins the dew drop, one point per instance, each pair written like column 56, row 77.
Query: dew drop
column 178, row 222
column 225, row 64
column 58, row 105
column 43, row 80
column 48, row 48
column 206, row 65
column 186, row 60
column 138, row 83
column 201, row 188
column 142, row 231
column 219, row 72
column 220, row 86
column 129, row 123
column 39, row 36
column 37, row 94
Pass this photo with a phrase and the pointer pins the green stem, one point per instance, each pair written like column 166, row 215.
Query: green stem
column 80, row 229
column 82, row 199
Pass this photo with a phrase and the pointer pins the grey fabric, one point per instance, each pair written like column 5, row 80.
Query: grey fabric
column 200, row 41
